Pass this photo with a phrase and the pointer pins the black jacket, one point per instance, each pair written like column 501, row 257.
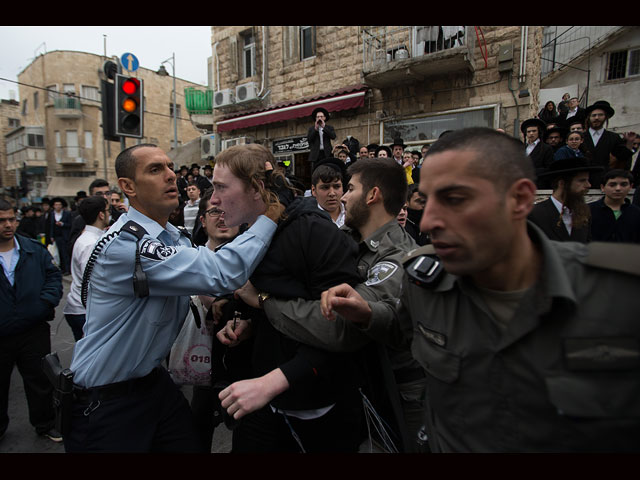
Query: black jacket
column 546, row 217
column 605, row 227
column 308, row 254
column 313, row 136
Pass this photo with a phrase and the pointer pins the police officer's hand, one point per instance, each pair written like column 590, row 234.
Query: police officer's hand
column 216, row 309
column 248, row 294
column 246, row 396
column 346, row 302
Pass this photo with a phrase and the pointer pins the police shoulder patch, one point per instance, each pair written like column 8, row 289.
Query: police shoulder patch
column 380, row 272
column 156, row 250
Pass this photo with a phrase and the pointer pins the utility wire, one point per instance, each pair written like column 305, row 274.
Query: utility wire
column 74, row 95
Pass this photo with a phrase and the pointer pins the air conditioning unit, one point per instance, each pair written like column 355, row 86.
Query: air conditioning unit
column 208, row 146
column 246, row 92
column 230, row 142
column 223, row 98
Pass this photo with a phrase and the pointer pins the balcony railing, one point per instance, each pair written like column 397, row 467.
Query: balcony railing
column 67, row 103
column 70, row 155
column 198, row 102
column 382, row 45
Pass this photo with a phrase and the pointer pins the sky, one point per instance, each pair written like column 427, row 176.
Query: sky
column 151, row 45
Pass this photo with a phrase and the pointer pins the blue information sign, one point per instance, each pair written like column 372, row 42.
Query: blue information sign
column 129, row 62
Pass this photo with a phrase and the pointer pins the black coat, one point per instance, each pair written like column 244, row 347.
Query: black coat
column 308, row 254
column 541, row 156
column 313, row 136
column 562, row 120
column 545, row 215
column 605, row 227
column 609, row 143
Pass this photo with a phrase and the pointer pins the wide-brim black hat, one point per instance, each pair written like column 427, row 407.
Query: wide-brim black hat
column 565, row 166
column 61, row 200
column 372, row 146
column 399, row 142
column 207, row 167
column 385, row 148
column 601, row 105
column 334, row 163
column 561, row 130
column 531, row 122
column 320, row 109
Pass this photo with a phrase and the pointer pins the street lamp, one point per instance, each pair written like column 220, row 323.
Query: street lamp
column 163, row 72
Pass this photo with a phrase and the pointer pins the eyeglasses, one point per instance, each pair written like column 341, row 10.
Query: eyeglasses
column 214, row 212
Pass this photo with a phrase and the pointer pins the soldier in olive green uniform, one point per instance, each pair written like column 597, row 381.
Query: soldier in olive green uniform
column 529, row 345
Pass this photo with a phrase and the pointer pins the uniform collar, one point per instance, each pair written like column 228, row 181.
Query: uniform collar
column 152, row 227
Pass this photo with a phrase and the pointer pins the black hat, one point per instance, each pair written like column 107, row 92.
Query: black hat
column 81, row 194
column 602, row 105
column 195, row 165
column 533, row 122
column 208, row 167
column 561, row 130
column 399, row 142
column 320, row 109
column 334, row 163
column 386, row 149
column 183, row 167
column 372, row 146
column 576, row 165
column 59, row 199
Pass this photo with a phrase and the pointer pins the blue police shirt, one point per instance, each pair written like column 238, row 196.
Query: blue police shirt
column 126, row 337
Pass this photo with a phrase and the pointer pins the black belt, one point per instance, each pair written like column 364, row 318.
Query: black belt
column 406, row 375
column 114, row 390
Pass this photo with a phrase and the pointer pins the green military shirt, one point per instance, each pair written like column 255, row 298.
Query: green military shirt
column 380, row 267
column 563, row 375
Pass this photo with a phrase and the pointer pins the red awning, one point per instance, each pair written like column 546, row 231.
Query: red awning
column 343, row 101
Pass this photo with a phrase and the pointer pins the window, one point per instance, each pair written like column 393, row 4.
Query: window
column 88, row 140
column 429, row 128
column 623, row 64
column 24, row 107
column 34, row 140
column 90, row 93
column 52, row 93
column 14, row 122
column 307, row 42
column 35, row 100
column 69, row 88
column 248, row 55
column 171, row 110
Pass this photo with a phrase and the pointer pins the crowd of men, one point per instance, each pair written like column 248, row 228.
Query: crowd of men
column 421, row 301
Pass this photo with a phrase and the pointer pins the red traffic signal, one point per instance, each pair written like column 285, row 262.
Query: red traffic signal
column 129, row 106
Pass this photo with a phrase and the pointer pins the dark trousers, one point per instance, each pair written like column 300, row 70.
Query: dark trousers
column 338, row 431
column 144, row 416
column 76, row 322
column 25, row 351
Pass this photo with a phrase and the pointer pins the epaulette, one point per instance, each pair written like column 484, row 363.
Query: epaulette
column 621, row 257
column 423, row 267
column 416, row 252
column 134, row 229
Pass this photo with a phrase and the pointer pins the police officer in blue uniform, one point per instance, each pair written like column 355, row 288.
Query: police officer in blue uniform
column 137, row 295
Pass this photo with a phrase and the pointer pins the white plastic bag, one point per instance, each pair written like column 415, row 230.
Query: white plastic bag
column 190, row 357
column 55, row 254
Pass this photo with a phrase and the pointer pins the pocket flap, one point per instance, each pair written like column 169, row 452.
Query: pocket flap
column 435, row 359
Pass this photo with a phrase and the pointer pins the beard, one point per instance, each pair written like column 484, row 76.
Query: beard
column 580, row 212
column 357, row 215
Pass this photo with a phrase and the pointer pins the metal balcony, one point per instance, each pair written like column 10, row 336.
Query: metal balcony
column 67, row 107
column 70, row 156
column 407, row 54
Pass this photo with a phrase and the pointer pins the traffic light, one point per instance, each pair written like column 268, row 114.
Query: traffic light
column 129, row 107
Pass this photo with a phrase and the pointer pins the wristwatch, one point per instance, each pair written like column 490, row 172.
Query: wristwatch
column 262, row 296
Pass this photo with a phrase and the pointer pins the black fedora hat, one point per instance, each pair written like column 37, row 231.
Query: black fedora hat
column 386, row 149
column 602, row 105
column 570, row 165
column 320, row 109
column 561, row 130
column 334, row 163
column 533, row 122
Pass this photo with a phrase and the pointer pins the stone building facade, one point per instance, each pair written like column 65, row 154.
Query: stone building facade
column 60, row 94
column 9, row 120
column 378, row 83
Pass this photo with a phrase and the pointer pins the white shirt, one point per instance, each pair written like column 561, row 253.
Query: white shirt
column 79, row 257
column 566, row 214
column 531, row 146
column 190, row 213
column 595, row 135
column 340, row 220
